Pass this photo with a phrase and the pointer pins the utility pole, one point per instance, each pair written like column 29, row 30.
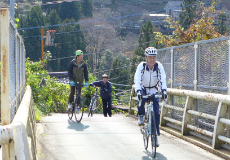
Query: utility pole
column 42, row 42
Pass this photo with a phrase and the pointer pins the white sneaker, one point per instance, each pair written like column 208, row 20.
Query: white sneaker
column 69, row 106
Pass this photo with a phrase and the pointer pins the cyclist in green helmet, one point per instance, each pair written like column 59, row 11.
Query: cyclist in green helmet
column 77, row 72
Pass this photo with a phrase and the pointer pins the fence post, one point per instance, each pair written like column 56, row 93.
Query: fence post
column 195, row 79
column 228, row 134
column 186, row 116
column 5, row 74
column 195, row 68
column 219, row 127
column 172, row 79
column 16, row 66
column 132, row 102
column 172, row 64
column 164, row 111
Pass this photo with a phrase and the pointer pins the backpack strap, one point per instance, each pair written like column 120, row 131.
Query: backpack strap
column 143, row 70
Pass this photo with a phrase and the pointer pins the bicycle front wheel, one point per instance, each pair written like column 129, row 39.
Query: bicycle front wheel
column 145, row 137
column 92, row 107
column 79, row 109
column 70, row 111
column 153, row 135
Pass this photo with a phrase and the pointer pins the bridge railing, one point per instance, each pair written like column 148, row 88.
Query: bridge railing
column 13, row 76
column 17, row 130
column 189, row 113
column 18, row 139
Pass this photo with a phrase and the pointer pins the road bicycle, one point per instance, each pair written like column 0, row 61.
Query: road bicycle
column 93, row 103
column 77, row 108
column 149, row 129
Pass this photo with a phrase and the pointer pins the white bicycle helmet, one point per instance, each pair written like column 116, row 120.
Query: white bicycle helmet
column 150, row 51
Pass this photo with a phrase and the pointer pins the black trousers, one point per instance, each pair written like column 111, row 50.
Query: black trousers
column 107, row 101
column 72, row 92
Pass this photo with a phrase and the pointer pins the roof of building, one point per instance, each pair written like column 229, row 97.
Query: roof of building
column 173, row 5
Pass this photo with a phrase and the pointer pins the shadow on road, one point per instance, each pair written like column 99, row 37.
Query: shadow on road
column 77, row 126
column 149, row 156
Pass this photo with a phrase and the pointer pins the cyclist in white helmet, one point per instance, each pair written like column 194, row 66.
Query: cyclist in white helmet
column 149, row 77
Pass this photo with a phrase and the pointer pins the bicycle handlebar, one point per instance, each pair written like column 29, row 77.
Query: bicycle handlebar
column 149, row 96
column 78, row 85
column 152, row 96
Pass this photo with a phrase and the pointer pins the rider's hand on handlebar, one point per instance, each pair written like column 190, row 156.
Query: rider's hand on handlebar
column 72, row 83
column 139, row 94
column 164, row 94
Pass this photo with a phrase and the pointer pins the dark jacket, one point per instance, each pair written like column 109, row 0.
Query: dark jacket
column 104, row 94
column 78, row 73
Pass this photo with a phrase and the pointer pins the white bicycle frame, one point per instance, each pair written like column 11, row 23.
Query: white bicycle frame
column 148, row 109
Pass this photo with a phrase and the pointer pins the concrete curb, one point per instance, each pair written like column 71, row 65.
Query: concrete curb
column 202, row 144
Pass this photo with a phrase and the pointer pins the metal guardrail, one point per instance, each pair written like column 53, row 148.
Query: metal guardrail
column 219, row 132
column 18, row 139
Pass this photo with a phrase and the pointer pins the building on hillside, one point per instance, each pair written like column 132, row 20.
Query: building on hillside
column 159, row 21
column 173, row 8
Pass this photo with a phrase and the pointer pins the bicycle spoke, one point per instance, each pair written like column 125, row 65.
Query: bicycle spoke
column 92, row 107
column 70, row 112
column 145, row 137
column 153, row 136
column 79, row 110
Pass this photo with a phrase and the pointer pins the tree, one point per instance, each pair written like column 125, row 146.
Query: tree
column 120, row 71
column 70, row 10
column 106, row 62
column 113, row 5
column 188, row 14
column 35, row 18
column 146, row 39
column 87, row 8
column 53, row 18
column 203, row 29
column 49, row 8
column 70, row 39
column 222, row 27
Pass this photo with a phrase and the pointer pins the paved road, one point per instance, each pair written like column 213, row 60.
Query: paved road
column 107, row 138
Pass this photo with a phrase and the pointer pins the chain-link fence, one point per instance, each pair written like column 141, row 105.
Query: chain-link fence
column 201, row 66
column 12, row 64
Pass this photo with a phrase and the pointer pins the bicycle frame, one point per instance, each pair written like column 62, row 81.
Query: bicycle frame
column 146, row 130
column 93, row 102
column 77, row 108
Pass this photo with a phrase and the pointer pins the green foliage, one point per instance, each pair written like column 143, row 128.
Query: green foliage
column 106, row 60
column 203, row 29
column 121, row 62
column 49, row 96
column 53, row 18
column 70, row 10
column 125, row 98
column 87, row 8
column 33, row 45
column 145, row 36
column 47, row 8
column 113, row 5
column 38, row 114
column 222, row 28
column 69, row 43
column 188, row 14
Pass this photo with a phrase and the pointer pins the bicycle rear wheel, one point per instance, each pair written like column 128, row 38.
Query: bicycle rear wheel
column 70, row 111
column 153, row 135
column 79, row 109
column 92, row 107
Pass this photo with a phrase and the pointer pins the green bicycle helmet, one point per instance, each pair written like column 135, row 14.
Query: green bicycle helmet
column 78, row 52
